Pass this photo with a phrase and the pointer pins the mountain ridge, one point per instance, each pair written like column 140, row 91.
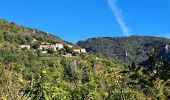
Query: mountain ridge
column 13, row 29
column 120, row 47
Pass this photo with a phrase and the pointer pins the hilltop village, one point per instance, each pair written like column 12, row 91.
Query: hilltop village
column 45, row 48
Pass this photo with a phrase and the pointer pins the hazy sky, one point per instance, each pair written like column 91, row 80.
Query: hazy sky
column 75, row 20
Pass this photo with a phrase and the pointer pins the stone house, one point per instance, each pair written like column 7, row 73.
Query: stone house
column 24, row 46
column 34, row 40
column 80, row 50
column 44, row 52
column 44, row 47
column 83, row 50
column 77, row 50
column 59, row 46
column 70, row 46
column 54, row 46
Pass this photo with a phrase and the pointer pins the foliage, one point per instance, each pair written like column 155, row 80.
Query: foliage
column 151, row 79
column 28, row 74
column 126, row 49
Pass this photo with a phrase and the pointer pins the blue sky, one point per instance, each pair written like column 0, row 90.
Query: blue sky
column 74, row 20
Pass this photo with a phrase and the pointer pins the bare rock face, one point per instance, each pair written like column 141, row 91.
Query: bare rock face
column 167, row 48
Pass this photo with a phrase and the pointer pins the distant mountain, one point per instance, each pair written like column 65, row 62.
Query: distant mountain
column 128, row 49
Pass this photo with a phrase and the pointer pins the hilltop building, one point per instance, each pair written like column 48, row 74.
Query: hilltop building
column 56, row 46
column 24, row 46
column 80, row 50
column 59, row 46
column 70, row 46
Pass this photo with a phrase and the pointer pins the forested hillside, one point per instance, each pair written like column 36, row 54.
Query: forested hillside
column 127, row 49
column 17, row 34
column 27, row 72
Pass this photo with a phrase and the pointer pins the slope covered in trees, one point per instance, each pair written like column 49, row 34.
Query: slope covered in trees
column 29, row 74
column 17, row 34
column 127, row 49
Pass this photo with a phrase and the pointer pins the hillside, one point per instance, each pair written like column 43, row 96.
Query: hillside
column 33, row 68
column 35, row 65
column 18, row 34
column 127, row 49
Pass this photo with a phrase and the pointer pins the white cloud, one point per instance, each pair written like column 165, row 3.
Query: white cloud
column 119, row 17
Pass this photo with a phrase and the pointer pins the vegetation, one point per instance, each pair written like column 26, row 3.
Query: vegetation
column 126, row 49
column 152, row 80
column 28, row 74
column 16, row 34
